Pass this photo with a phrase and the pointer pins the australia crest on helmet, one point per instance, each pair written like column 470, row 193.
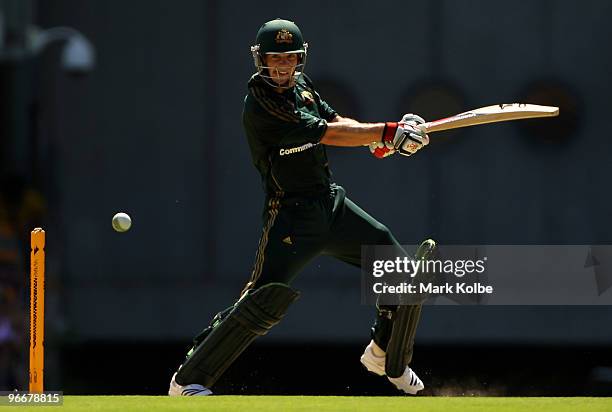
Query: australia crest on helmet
column 284, row 36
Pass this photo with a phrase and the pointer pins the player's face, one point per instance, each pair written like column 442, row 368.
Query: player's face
column 281, row 67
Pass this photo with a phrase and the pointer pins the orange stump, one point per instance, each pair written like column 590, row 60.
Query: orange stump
column 37, row 309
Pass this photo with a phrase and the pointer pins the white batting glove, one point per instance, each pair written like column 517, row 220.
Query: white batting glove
column 412, row 118
column 409, row 137
column 405, row 137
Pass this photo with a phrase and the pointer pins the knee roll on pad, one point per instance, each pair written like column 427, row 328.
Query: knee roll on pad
column 220, row 344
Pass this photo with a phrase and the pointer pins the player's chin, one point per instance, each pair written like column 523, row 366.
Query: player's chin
column 282, row 81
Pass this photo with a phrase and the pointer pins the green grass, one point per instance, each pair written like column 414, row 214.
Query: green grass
column 326, row 403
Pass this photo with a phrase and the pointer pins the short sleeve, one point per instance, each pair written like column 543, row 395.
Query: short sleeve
column 327, row 112
column 279, row 125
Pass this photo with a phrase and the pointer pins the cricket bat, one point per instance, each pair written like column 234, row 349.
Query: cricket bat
column 491, row 114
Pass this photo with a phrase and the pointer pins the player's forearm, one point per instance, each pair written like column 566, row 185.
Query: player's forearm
column 340, row 119
column 352, row 134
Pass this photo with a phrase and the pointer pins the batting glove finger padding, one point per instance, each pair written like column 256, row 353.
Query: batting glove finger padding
column 409, row 139
column 411, row 117
column 406, row 137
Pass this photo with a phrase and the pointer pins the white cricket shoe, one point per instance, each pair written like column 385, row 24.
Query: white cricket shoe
column 373, row 363
column 193, row 389
column 409, row 382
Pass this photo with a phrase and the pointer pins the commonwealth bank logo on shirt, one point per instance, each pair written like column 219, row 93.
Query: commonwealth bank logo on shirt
column 298, row 149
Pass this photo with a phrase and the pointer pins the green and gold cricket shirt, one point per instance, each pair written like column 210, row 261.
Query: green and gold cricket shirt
column 284, row 132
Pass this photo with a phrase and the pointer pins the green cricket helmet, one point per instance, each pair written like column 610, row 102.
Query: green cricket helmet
column 276, row 37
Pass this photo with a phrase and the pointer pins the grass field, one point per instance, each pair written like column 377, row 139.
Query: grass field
column 327, row 403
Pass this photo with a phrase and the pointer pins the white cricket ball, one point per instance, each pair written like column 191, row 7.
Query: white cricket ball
column 122, row 222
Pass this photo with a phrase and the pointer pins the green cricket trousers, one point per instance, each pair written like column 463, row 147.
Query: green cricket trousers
column 296, row 229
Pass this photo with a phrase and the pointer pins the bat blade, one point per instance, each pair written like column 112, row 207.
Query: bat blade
column 491, row 114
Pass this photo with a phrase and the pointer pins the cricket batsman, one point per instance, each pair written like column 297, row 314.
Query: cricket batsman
column 288, row 125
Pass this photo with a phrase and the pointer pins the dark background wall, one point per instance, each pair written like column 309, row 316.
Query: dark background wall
column 155, row 131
